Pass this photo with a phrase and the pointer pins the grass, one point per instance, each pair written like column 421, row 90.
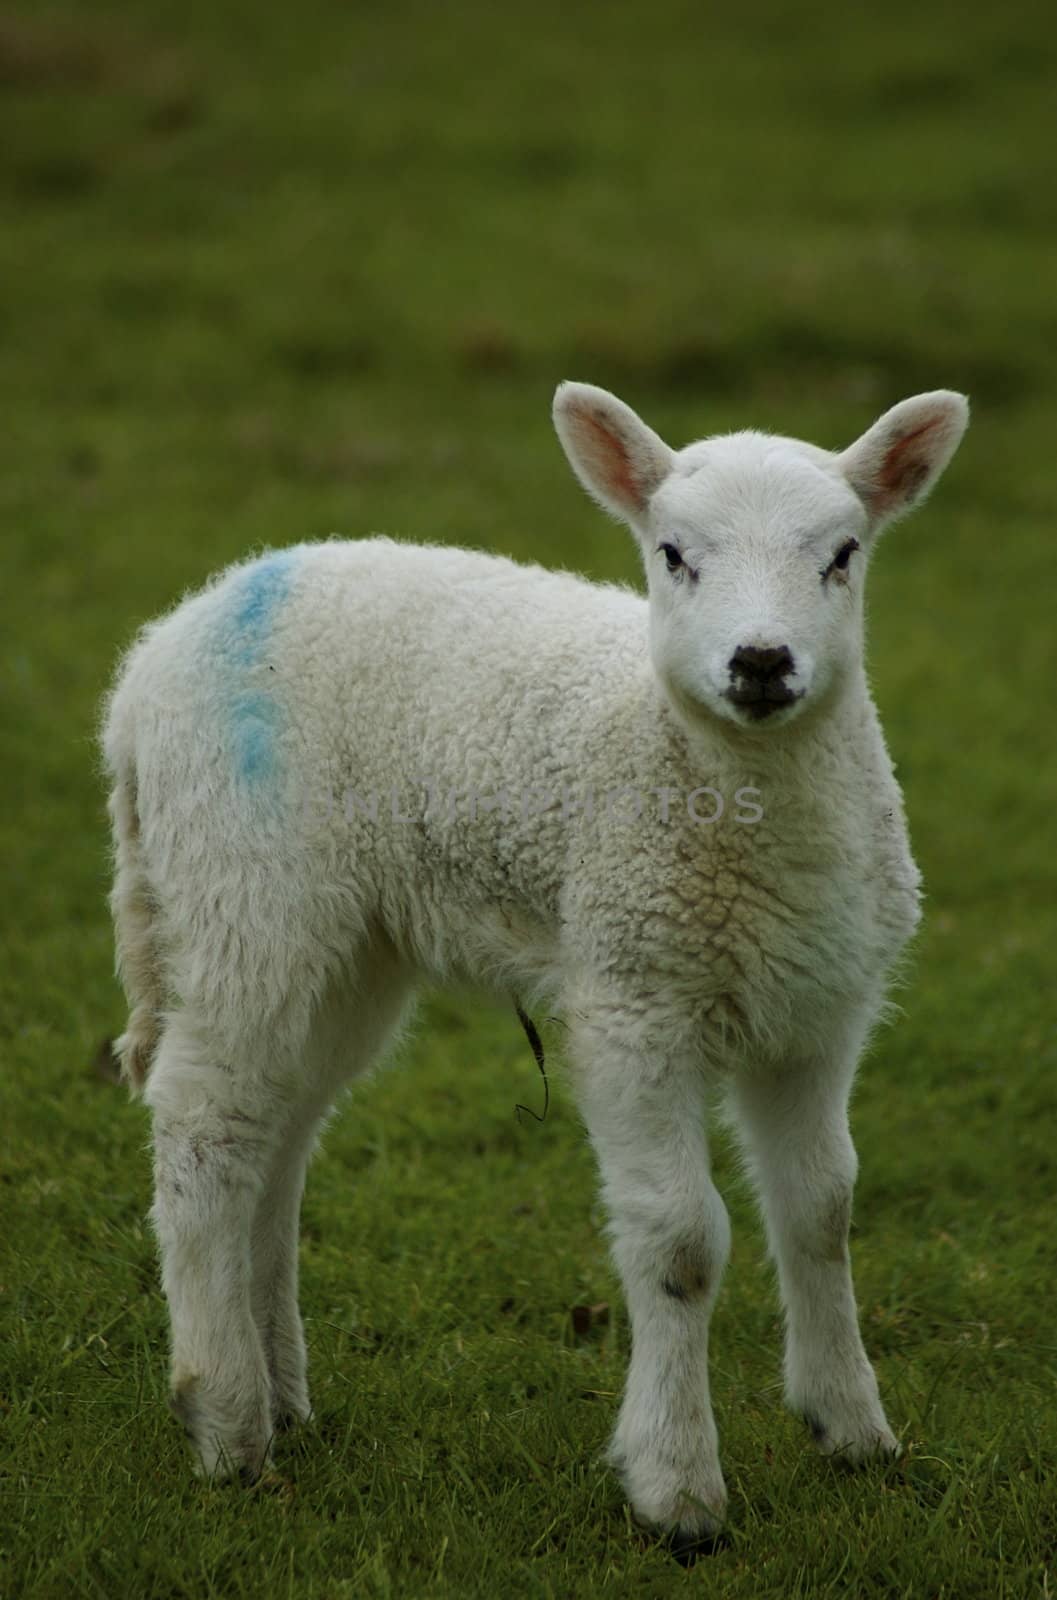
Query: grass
column 270, row 272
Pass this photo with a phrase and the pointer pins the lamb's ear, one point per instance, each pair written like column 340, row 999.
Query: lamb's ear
column 617, row 458
column 897, row 461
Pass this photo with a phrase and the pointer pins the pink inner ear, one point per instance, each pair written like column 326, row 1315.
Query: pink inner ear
column 610, row 455
column 905, row 466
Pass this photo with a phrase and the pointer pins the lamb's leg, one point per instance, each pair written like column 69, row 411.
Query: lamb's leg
column 274, row 1280
column 671, row 1238
column 350, row 1031
column 794, row 1124
column 213, row 1141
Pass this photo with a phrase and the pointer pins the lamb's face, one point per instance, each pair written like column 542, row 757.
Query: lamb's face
column 755, row 560
column 755, row 547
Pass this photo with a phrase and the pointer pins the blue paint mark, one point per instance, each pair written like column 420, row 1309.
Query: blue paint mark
column 261, row 592
column 255, row 719
column 255, row 715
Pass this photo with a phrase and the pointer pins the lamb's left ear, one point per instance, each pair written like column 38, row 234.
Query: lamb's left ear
column 897, row 461
column 617, row 458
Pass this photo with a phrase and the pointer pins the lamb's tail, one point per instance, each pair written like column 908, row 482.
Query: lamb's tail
column 136, row 933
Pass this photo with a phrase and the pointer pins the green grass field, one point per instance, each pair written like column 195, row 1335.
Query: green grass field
column 272, row 272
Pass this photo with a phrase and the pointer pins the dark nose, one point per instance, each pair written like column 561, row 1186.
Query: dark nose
column 761, row 664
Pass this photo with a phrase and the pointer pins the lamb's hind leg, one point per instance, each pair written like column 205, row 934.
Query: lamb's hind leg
column 215, row 1126
column 350, row 1032
column 794, row 1126
column 274, row 1271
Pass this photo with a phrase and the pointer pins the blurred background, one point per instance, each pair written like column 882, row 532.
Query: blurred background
column 272, row 272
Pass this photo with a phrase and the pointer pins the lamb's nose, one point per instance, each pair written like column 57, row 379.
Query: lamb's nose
column 761, row 663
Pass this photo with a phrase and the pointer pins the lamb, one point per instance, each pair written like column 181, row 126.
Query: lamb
column 348, row 767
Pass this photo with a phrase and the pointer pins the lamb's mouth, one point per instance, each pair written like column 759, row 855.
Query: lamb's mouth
column 760, row 700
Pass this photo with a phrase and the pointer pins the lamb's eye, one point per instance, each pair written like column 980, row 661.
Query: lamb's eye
column 841, row 559
column 672, row 557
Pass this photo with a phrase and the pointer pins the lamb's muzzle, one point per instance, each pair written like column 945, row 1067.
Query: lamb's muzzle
column 757, row 679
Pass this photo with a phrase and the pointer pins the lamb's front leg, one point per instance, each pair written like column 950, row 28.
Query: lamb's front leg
column 671, row 1239
column 794, row 1125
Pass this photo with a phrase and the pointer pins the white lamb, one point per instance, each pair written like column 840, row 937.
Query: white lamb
column 344, row 768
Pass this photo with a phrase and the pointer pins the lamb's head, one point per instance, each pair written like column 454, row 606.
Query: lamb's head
column 755, row 546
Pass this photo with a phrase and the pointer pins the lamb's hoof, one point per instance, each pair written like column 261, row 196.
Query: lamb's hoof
column 687, row 1547
column 224, row 1450
column 817, row 1429
column 290, row 1409
column 873, row 1444
column 291, row 1417
column 290, row 1403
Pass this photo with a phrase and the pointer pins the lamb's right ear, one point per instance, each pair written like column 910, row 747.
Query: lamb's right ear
column 617, row 458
